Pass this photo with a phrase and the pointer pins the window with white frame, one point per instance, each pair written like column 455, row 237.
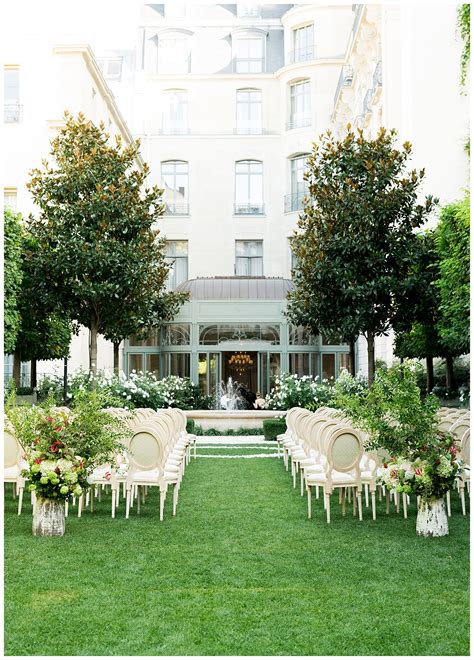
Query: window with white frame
column 175, row 112
column 11, row 95
column 249, row 187
column 303, row 43
column 174, row 55
column 249, row 54
column 177, row 256
column 249, row 111
column 174, row 180
column 249, row 258
column 246, row 10
column 298, row 184
column 300, row 105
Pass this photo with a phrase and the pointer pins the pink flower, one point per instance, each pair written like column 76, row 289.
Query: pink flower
column 107, row 475
column 38, row 460
column 53, row 448
column 418, row 471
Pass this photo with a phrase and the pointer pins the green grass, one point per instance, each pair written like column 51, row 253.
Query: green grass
column 240, row 571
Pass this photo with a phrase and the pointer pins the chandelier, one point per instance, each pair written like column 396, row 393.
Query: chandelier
column 240, row 362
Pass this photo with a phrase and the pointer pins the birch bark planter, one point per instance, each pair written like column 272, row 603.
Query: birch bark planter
column 48, row 517
column 431, row 519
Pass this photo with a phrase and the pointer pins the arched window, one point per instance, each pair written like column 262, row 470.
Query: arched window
column 300, row 104
column 174, row 181
column 175, row 112
column 303, row 43
column 174, row 51
column 249, row 111
column 249, row 187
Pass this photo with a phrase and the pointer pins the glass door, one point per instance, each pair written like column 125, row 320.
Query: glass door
column 269, row 368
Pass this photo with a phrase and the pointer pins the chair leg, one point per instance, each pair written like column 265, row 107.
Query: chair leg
column 463, row 499
column 380, row 493
column 302, row 482
column 359, row 503
column 354, row 505
column 317, row 492
column 14, row 490
column 175, row 498
column 20, row 499
column 92, row 500
column 79, row 506
column 114, row 501
column 139, row 488
column 397, row 501
column 293, row 472
column 387, row 502
column 162, row 503
column 404, row 499
column 66, row 508
column 117, row 495
column 366, row 489
column 308, row 491
column 448, row 503
column 342, row 491
column 374, row 508
column 328, row 505
column 127, row 503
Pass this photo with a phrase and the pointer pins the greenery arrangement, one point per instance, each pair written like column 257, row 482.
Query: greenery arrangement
column 139, row 390
column 355, row 240
column 61, row 450
column 424, row 461
column 227, row 432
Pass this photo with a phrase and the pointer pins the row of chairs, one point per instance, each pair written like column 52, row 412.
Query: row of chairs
column 328, row 451
column 158, row 449
column 457, row 422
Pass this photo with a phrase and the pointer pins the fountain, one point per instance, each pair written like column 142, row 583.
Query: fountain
column 228, row 396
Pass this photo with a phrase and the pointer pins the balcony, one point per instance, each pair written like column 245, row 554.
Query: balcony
column 176, row 209
column 298, row 122
column 305, row 54
column 345, row 80
column 12, row 113
column 294, row 201
column 253, row 208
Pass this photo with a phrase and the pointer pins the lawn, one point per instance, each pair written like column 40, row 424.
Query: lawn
column 240, row 571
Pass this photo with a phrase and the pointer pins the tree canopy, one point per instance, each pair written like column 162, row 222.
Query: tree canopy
column 12, row 276
column 355, row 241
column 96, row 232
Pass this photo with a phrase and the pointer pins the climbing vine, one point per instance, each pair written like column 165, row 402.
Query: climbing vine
column 464, row 26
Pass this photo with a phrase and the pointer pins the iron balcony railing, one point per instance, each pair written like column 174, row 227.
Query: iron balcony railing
column 249, row 208
column 298, row 122
column 176, row 209
column 345, row 80
column 12, row 113
column 377, row 77
column 305, row 54
column 294, row 201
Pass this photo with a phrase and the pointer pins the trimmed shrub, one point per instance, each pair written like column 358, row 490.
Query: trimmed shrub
column 191, row 426
column 273, row 427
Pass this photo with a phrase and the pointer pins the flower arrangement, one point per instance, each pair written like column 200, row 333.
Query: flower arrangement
column 290, row 390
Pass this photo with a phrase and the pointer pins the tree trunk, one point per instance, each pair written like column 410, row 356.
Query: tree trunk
column 429, row 374
column 352, row 363
column 116, row 357
column 371, row 357
column 33, row 373
column 17, row 368
column 93, row 349
column 449, row 373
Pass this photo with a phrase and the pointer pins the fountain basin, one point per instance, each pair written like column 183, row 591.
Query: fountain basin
column 223, row 420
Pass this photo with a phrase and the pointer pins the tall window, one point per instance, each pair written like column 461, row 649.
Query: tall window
column 11, row 95
column 174, row 180
column 249, row 187
column 300, row 105
column 249, row 55
column 174, row 53
column 249, row 111
column 249, row 258
column 299, row 187
column 177, row 256
column 175, row 112
column 303, row 44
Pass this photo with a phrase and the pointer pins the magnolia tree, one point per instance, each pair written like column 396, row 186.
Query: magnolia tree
column 355, row 240
column 99, row 250
column 12, row 237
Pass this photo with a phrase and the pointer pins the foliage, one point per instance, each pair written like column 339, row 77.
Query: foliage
column 461, row 374
column 290, row 390
column 464, row 26
column 190, row 426
column 62, row 450
column 227, row 432
column 356, row 237
column 96, row 234
column 12, row 237
column 452, row 240
column 273, row 427
column 139, row 390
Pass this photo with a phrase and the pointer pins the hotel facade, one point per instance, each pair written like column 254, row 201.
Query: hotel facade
column 227, row 101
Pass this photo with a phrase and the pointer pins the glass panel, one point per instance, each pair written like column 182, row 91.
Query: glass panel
column 300, row 336
column 299, row 364
column 329, row 365
column 153, row 364
column 135, row 362
column 274, row 367
column 177, row 334
column 11, row 89
column 176, row 256
column 175, row 113
column 216, row 334
column 213, row 372
column 174, row 180
column 344, row 361
column 202, row 372
column 153, row 339
column 173, row 54
column 178, row 364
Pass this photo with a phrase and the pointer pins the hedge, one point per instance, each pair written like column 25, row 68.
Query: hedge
column 273, row 427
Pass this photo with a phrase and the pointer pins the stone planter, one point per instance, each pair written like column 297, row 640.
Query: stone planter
column 48, row 517
column 431, row 519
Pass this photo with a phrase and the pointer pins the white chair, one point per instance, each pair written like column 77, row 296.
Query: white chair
column 13, row 464
column 465, row 478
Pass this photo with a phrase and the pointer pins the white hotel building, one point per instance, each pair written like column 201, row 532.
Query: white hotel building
column 227, row 100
